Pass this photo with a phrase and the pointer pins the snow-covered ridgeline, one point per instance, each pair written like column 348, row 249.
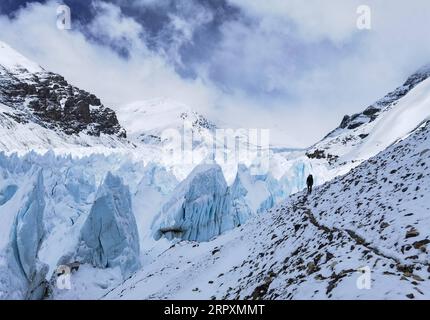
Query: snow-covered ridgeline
column 40, row 110
column 14, row 61
column 365, row 134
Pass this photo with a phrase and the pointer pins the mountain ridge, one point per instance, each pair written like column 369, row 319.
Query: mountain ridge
column 31, row 95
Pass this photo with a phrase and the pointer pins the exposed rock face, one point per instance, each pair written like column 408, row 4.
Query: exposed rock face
column 109, row 237
column 47, row 99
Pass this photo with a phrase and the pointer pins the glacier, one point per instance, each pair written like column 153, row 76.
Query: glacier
column 199, row 209
column 253, row 194
column 22, row 274
column 109, row 237
column 203, row 204
column 256, row 194
column 70, row 187
column 154, row 189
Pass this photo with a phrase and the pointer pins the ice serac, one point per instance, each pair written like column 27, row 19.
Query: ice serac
column 27, row 236
column 25, row 274
column 253, row 194
column 200, row 208
column 109, row 237
column 150, row 194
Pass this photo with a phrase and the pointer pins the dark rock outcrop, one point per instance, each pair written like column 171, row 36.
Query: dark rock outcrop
column 371, row 112
column 48, row 100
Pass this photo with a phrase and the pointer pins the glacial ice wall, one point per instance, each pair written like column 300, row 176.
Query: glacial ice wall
column 199, row 209
column 254, row 194
column 22, row 274
column 154, row 189
column 109, row 237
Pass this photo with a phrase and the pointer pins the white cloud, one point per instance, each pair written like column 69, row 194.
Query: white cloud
column 112, row 26
column 95, row 67
column 314, row 19
column 314, row 51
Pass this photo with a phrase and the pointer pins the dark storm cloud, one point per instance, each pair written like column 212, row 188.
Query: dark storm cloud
column 159, row 33
column 8, row 7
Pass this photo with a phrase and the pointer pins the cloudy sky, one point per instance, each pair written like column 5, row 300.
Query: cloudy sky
column 293, row 66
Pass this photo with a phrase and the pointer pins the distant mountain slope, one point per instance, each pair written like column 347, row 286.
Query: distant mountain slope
column 33, row 100
column 375, row 217
column 146, row 120
column 363, row 135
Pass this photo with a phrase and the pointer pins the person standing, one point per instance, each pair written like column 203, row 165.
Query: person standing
column 310, row 183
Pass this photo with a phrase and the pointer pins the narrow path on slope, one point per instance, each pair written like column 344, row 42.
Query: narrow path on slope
column 407, row 269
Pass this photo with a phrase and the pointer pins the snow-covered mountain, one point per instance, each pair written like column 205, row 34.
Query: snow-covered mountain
column 77, row 192
column 161, row 115
column 159, row 126
column 364, row 134
column 39, row 110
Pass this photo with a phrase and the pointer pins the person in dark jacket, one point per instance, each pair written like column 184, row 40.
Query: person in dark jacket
column 310, row 183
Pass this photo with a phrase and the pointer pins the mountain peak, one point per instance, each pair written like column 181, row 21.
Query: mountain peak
column 371, row 112
column 146, row 120
column 30, row 95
